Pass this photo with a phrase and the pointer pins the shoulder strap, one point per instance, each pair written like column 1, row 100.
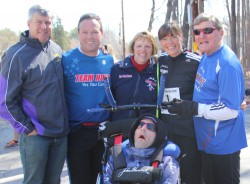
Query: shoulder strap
column 157, row 156
column 117, row 153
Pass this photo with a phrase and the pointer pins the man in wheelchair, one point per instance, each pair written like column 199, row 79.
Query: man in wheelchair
column 145, row 157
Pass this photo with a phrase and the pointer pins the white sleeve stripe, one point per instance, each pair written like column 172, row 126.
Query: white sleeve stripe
column 222, row 113
column 193, row 56
column 218, row 106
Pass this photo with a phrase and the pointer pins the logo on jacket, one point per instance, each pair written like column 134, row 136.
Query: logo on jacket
column 202, row 69
column 201, row 80
column 151, row 83
column 164, row 69
column 104, row 62
column 126, row 76
column 134, row 169
column 57, row 57
column 90, row 77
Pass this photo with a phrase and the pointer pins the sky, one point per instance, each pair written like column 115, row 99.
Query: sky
column 14, row 13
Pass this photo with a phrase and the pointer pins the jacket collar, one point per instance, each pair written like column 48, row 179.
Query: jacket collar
column 32, row 42
column 127, row 63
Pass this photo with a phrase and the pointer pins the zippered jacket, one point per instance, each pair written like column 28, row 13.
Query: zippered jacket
column 180, row 73
column 32, row 89
column 131, row 87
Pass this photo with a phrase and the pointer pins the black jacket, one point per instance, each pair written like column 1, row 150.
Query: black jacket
column 181, row 73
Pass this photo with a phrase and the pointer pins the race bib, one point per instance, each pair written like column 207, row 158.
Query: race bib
column 169, row 95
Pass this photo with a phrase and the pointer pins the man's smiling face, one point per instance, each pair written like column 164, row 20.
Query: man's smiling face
column 208, row 43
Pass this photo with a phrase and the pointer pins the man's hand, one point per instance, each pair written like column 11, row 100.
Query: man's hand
column 104, row 49
column 34, row 132
column 243, row 106
column 183, row 107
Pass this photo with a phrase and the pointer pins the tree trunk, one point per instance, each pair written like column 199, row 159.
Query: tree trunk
column 233, row 27
column 247, row 21
column 169, row 10
column 238, row 29
column 175, row 10
column 151, row 20
column 228, row 12
column 243, row 33
column 185, row 26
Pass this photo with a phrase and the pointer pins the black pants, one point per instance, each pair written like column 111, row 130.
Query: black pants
column 85, row 153
column 190, row 161
column 220, row 169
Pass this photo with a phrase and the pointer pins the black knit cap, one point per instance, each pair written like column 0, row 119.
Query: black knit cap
column 160, row 132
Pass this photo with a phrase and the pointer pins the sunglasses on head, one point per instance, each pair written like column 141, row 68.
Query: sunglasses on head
column 149, row 126
column 207, row 30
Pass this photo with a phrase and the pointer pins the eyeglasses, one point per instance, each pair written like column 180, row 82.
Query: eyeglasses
column 207, row 30
column 149, row 126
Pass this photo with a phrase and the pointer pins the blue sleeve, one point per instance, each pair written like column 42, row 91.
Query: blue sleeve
column 108, row 171
column 170, row 170
column 231, row 77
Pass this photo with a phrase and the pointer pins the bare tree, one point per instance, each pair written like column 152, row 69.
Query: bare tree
column 197, row 6
column 169, row 10
column 228, row 11
column 151, row 20
column 7, row 38
column 175, row 13
column 172, row 9
column 152, row 15
column 242, row 31
column 233, row 27
column 185, row 24
column 238, row 27
column 247, row 21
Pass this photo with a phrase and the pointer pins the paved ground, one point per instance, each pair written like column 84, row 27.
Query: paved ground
column 11, row 169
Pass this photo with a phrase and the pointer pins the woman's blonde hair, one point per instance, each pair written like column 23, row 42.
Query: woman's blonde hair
column 143, row 35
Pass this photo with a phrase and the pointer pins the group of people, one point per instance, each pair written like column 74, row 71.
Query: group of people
column 45, row 94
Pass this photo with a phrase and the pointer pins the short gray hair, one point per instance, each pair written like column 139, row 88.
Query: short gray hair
column 208, row 17
column 40, row 10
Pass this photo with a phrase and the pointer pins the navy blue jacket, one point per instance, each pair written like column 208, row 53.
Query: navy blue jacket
column 129, row 86
column 32, row 89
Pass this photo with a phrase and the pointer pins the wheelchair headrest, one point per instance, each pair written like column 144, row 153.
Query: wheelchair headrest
column 111, row 128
